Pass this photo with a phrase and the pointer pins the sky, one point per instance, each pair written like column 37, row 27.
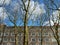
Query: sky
column 40, row 11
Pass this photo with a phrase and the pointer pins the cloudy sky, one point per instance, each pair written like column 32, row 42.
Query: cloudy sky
column 39, row 10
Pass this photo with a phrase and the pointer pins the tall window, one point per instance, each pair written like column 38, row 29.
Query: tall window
column 39, row 34
column 0, row 39
column 0, row 33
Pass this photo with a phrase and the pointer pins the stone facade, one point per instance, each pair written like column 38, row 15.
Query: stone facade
column 34, row 36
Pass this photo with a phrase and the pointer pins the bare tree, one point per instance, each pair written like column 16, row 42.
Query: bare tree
column 54, row 29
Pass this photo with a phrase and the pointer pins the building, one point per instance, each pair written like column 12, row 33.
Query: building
column 34, row 36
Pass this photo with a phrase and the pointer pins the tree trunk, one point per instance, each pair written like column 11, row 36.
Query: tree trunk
column 16, row 37
column 41, row 35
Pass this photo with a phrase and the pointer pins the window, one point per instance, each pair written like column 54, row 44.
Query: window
column 12, row 39
column 39, row 34
column 33, row 39
column 32, row 34
column 45, row 34
column 6, row 34
column 19, row 39
column 20, row 34
column 5, row 39
column 46, row 39
column 0, row 39
column 12, row 34
column 0, row 33
column 39, row 39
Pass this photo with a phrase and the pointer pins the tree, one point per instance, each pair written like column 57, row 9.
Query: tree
column 56, row 22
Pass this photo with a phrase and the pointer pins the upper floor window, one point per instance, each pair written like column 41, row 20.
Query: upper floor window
column 0, row 39
column 12, row 39
column 19, row 39
column 12, row 34
column 33, row 39
column 46, row 39
column 39, row 34
column 46, row 34
column 6, row 34
column 5, row 39
column 19, row 34
column 1, row 33
column 32, row 34
column 39, row 39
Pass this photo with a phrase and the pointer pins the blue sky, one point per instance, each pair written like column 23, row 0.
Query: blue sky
column 11, row 4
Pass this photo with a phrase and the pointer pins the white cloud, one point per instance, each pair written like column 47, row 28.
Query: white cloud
column 2, row 15
column 6, row 2
column 55, row 16
column 53, row 19
column 39, row 9
column 47, row 23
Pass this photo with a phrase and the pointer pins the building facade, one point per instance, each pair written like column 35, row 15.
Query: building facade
column 8, row 36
